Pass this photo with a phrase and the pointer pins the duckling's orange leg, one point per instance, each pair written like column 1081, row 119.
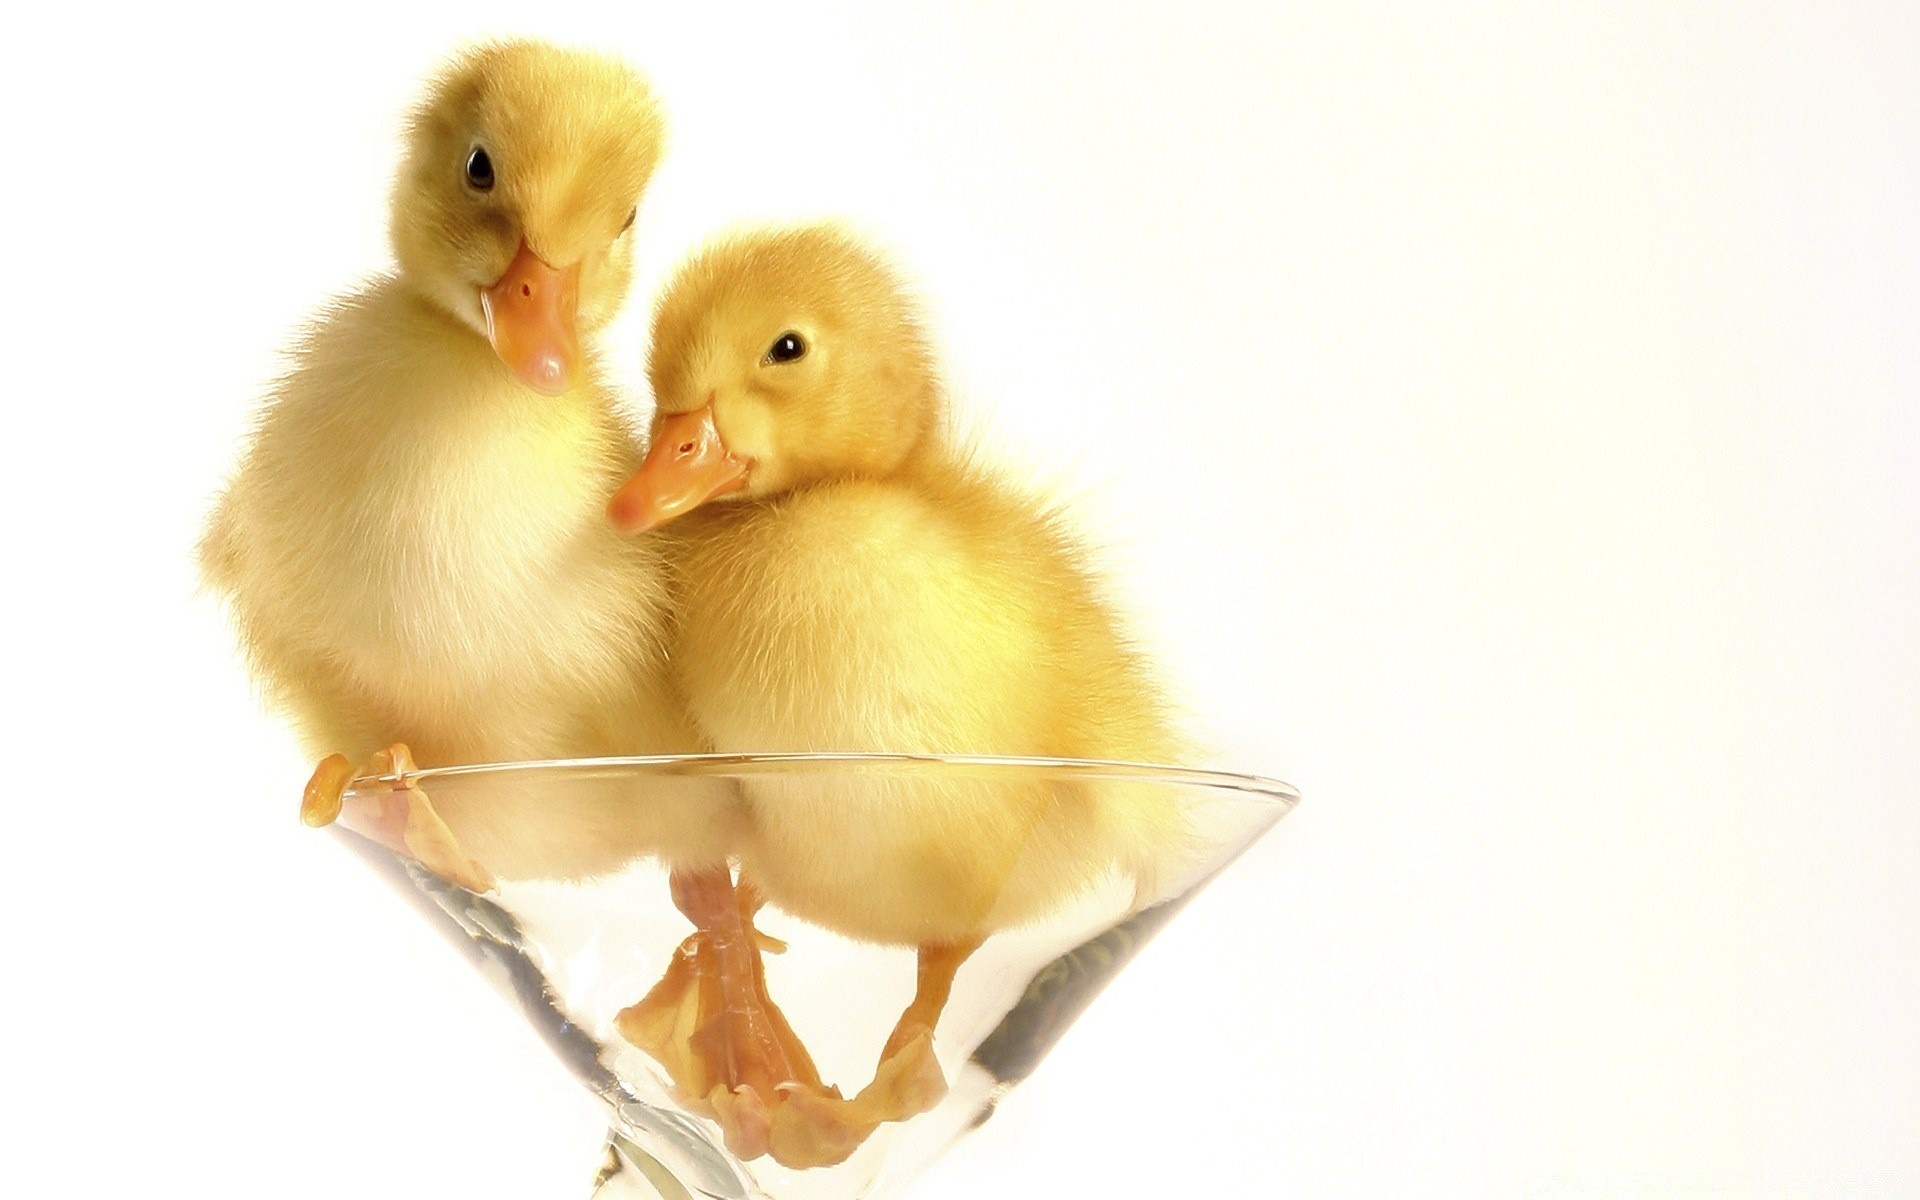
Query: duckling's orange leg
column 811, row 1128
column 939, row 963
column 909, row 1080
column 712, row 1024
column 751, row 1042
column 404, row 821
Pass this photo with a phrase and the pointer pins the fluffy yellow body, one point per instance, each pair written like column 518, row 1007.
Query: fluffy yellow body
column 414, row 545
column 870, row 589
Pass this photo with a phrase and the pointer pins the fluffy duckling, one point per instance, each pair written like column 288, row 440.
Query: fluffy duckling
column 850, row 580
column 413, row 547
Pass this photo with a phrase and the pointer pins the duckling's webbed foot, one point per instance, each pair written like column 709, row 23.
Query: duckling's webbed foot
column 729, row 1050
column 815, row 1127
column 404, row 820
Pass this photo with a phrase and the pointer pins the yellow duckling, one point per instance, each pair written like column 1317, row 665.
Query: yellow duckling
column 850, row 580
column 413, row 547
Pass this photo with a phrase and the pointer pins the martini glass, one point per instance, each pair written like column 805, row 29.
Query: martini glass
column 575, row 954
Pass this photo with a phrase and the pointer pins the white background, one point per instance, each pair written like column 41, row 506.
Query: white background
column 1504, row 419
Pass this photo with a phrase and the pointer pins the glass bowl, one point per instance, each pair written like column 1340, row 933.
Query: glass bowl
column 702, row 938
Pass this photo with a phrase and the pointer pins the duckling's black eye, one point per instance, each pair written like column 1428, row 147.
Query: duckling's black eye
column 479, row 171
column 786, row 348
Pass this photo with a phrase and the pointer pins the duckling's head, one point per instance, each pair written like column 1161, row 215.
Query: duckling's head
column 514, row 206
column 780, row 359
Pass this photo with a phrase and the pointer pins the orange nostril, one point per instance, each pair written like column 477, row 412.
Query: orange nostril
column 686, row 447
column 526, row 289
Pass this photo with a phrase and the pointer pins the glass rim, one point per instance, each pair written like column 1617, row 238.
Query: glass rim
column 1285, row 795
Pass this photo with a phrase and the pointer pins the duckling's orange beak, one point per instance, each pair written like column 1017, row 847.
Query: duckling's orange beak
column 687, row 465
column 530, row 321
